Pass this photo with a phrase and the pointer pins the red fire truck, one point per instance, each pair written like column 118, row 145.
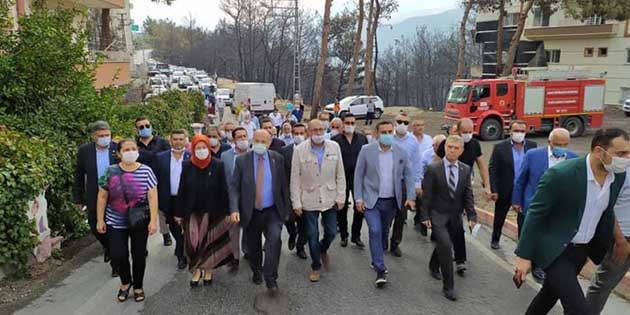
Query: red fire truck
column 544, row 100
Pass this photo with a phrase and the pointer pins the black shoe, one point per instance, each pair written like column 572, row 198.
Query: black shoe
column 436, row 274
column 181, row 263
column 344, row 242
column 396, row 251
column 123, row 294
column 301, row 253
column 423, row 230
column 167, row 239
column 291, row 242
column 115, row 273
column 207, row 282
column 449, row 294
column 193, row 283
column 246, row 256
column 233, row 266
column 539, row 274
column 106, row 257
column 272, row 289
column 460, row 268
column 381, row 280
column 358, row 243
column 257, row 278
column 495, row 245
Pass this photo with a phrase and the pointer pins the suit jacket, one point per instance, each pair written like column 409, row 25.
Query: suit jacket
column 162, row 169
column 243, row 189
column 555, row 214
column 276, row 145
column 534, row 166
column 367, row 175
column 437, row 204
column 312, row 189
column 502, row 167
column 214, row 200
column 85, row 187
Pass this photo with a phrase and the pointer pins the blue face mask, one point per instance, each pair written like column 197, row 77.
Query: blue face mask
column 386, row 139
column 146, row 132
column 558, row 152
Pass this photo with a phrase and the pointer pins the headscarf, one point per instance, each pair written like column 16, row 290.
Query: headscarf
column 201, row 164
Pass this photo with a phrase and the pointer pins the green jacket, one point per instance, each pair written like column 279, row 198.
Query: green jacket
column 555, row 214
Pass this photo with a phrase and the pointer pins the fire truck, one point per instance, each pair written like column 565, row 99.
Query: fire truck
column 544, row 99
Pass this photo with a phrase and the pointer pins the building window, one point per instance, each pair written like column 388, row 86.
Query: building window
column 511, row 19
column 553, row 55
column 541, row 18
column 628, row 55
column 502, row 89
column 595, row 20
column 602, row 52
column 588, row 52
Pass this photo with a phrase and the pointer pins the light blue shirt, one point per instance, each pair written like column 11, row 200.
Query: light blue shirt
column 427, row 158
column 410, row 145
column 425, row 144
column 267, row 193
column 447, row 171
column 288, row 139
column 256, row 121
column 517, row 158
column 102, row 161
column 319, row 152
column 622, row 207
column 386, row 173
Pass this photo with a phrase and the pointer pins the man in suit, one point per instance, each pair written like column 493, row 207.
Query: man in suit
column 228, row 158
column 167, row 166
column 318, row 186
column 295, row 225
column 447, row 191
column 571, row 219
column 276, row 144
column 505, row 165
column 262, row 209
column 534, row 165
column 378, row 187
column 92, row 161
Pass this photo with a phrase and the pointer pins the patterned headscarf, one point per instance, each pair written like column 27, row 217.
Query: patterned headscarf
column 201, row 164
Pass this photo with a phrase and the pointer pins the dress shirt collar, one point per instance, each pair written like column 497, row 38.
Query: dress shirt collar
column 380, row 148
column 448, row 163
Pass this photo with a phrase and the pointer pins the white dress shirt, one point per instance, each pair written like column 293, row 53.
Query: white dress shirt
column 597, row 198
column 176, row 173
column 553, row 160
column 386, row 169
column 622, row 206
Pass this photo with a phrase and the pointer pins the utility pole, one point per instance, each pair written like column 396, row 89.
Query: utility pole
column 291, row 9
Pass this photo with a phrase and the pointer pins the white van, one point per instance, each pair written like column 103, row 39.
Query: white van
column 261, row 96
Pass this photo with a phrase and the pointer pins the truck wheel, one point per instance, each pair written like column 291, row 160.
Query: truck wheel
column 491, row 129
column 378, row 113
column 574, row 125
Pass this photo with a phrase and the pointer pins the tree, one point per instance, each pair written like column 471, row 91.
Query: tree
column 369, row 49
column 323, row 56
column 461, row 61
column 342, row 36
column 526, row 6
column 356, row 51
column 501, row 8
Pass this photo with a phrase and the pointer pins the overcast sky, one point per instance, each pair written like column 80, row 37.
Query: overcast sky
column 207, row 12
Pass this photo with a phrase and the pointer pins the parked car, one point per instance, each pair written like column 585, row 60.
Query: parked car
column 153, row 73
column 225, row 96
column 205, row 82
column 163, row 68
column 184, row 82
column 262, row 96
column 626, row 107
column 357, row 105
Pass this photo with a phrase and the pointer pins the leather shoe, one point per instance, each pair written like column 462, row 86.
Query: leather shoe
column 181, row 263
column 450, row 294
column 396, row 251
column 436, row 274
column 344, row 242
column 539, row 274
column 115, row 273
column 272, row 289
column 106, row 257
column 291, row 242
column 358, row 243
column 460, row 268
column 257, row 278
column 167, row 239
column 301, row 253
column 314, row 276
column 495, row 245
column 233, row 266
column 423, row 230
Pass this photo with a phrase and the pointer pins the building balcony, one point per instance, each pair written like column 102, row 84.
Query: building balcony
column 571, row 32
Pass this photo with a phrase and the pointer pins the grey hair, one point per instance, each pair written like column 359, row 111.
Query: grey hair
column 336, row 119
column 212, row 127
column 98, row 126
column 455, row 138
column 559, row 131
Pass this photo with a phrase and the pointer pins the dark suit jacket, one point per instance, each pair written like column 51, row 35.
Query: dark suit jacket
column 162, row 169
column 243, row 190
column 502, row 167
column 437, row 204
column 276, row 145
column 214, row 199
column 555, row 214
column 85, row 187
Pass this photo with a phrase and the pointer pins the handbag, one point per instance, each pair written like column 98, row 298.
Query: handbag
column 137, row 217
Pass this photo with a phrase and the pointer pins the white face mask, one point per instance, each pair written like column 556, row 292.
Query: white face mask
column 222, row 133
column 518, row 137
column 103, row 141
column 242, row 145
column 228, row 135
column 326, row 125
column 130, row 156
column 318, row 139
column 202, row 154
column 298, row 139
column 369, row 138
column 334, row 132
column 214, row 142
column 467, row 137
column 401, row 129
column 349, row 129
column 619, row 165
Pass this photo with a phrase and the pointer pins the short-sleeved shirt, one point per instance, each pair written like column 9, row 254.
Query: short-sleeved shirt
column 472, row 150
column 135, row 185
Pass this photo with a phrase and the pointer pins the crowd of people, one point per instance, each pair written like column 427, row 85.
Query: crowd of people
column 227, row 193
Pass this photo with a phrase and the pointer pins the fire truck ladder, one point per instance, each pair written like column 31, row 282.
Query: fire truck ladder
column 545, row 74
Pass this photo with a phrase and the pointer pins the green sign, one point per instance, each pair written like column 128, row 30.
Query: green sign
column 135, row 28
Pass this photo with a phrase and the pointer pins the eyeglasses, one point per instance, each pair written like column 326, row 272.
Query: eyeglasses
column 349, row 123
column 401, row 122
column 144, row 126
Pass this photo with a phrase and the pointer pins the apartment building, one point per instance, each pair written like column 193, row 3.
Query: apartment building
column 116, row 68
column 559, row 41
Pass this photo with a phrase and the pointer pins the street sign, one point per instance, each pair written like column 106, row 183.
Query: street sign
column 135, row 28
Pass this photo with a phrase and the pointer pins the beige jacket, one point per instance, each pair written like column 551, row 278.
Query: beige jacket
column 312, row 189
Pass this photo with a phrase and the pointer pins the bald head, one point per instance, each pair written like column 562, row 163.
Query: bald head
column 262, row 136
column 559, row 138
column 465, row 125
column 439, row 139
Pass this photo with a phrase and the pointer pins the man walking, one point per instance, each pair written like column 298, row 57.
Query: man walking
column 379, row 191
column 261, row 210
column 571, row 219
column 350, row 142
column 425, row 142
column 318, row 185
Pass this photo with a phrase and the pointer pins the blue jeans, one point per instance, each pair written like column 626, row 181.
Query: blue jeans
column 315, row 246
column 379, row 219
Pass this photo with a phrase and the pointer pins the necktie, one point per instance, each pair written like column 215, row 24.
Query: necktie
column 452, row 185
column 260, row 173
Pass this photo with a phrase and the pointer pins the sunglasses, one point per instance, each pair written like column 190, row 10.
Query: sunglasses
column 401, row 122
column 144, row 126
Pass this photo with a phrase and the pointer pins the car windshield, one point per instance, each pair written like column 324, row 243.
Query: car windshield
column 459, row 94
column 206, row 80
column 347, row 100
column 223, row 92
column 185, row 80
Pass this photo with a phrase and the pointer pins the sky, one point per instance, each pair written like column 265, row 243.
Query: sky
column 207, row 12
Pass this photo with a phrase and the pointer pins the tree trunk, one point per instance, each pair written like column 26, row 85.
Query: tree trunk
column 499, row 68
column 106, row 33
column 356, row 51
column 373, row 76
column 526, row 6
column 321, row 66
column 369, row 50
column 461, row 58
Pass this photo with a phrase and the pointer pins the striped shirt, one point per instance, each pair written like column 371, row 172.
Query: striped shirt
column 135, row 185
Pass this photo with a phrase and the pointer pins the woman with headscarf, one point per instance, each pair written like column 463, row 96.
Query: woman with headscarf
column 202, row 210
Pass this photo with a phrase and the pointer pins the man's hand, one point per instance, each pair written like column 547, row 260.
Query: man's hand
column 471, row 224
column 411, row 204
column 488, row 194
column 621, row 251
column 418, row 192
column 298, row 212
column 523, row 266
column 340, row 206
column 178, row 220
column 153, row 226
column 427, row 223
column 517, row 208
column 101, row 227
column 494, row 196
column 235, row 217
column 360, row 206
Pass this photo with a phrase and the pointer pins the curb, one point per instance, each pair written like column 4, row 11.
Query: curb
column 510, row 230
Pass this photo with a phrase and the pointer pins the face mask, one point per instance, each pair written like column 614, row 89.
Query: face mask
column 334, row 132
column 369, row 138
column 401, row 129
column 298, row 139
column 318, row 139
column 202, row 154
column 618, row 165
column 146, row 132
column 222, row 133
column 242, row 145
column 518, row 137
column 214, row 142
column 228, row 135
column 558, row 152
column 103, row 141
column 349, row 129
column 386, row 139
column 259, row 148
column 326, row 125
column 467, row 137
column 130, row 156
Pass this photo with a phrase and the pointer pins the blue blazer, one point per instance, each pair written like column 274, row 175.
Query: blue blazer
column 534, row 165
column 162, row 169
